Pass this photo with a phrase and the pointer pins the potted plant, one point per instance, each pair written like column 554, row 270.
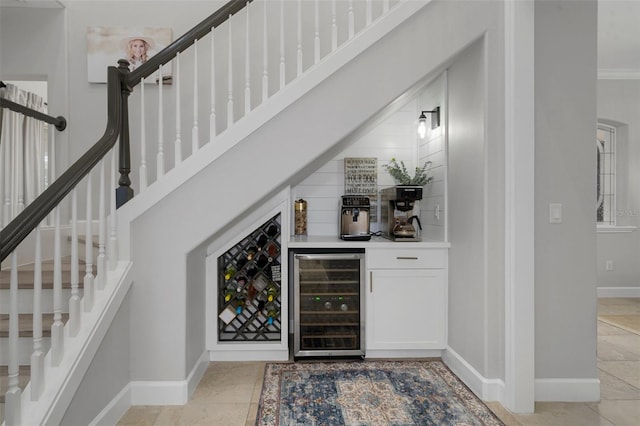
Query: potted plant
column 399, row 172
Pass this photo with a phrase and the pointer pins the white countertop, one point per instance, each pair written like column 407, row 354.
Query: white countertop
column 375, row 242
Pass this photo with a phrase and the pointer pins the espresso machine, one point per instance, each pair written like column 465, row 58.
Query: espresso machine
column 355, row 218
column 401, row 213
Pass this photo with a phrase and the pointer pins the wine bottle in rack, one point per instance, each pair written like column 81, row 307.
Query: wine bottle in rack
column 272, row 292
column 272, row 312
column 229, row 272
column 272, row 230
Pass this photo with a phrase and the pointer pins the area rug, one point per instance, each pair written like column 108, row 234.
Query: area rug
column 629, row 322
column 368, row 393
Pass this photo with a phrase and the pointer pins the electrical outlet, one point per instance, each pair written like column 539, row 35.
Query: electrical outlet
column 609, row 265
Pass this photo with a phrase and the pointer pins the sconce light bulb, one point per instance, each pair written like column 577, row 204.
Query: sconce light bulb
column 422, row 128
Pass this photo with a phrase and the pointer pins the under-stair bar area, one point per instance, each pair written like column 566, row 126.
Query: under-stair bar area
column 62, row 270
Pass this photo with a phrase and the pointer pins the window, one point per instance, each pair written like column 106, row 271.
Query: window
column 606, row 175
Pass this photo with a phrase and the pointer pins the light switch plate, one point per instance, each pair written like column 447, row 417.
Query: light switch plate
column 555, row 213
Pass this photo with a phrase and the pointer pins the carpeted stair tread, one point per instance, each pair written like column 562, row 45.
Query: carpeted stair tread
column 26, row 277
column 24, row 374
column 25, row 324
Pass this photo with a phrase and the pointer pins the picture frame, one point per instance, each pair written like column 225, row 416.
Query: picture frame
column 108, row 44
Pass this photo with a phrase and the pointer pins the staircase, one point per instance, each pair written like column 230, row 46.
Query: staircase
column 244, row 164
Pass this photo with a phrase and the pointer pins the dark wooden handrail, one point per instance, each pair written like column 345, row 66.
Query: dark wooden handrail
column 33, row 214
column 120, row 83
column 196, row 33
column 60, row 122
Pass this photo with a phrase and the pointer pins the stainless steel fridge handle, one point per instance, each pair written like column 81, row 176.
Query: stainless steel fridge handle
column 328, row 256
column 406, row 257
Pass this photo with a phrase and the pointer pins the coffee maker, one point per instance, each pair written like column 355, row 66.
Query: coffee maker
column 355, row 218
column 401, row 213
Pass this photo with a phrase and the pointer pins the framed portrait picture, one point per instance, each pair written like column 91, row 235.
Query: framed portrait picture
column 106, row 45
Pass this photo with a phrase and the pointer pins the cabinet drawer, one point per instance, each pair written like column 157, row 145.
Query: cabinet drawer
column 407, row 258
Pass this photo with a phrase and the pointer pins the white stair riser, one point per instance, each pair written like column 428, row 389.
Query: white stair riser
column 25, row 301
column 25, row 348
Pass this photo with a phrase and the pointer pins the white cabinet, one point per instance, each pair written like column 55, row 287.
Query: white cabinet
column 406, row 302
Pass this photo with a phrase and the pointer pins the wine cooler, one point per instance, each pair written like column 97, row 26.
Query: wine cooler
column 328, row 302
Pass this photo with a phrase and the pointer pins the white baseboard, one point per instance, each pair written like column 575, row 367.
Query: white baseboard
column 485, row 389
column 548, row 390
column 152, row 393
column 115, row 409
column 618, row 292
column 197, row 372
column 567, row 390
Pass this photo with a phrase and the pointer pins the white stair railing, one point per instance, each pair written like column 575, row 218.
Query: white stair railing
column 47, row 355
column 303, row 32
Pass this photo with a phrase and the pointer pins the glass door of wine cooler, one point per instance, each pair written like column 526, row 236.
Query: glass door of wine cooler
column 328, row 303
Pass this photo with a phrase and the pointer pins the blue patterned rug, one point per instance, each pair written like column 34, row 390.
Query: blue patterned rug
column 368, row 393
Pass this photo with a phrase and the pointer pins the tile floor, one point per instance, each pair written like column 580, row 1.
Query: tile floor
column 229, row 393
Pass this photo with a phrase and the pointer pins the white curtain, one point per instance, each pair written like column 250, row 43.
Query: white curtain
column 23, row 146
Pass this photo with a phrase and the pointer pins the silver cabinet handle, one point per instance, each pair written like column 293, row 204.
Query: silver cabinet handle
column 406, row 258
column 370, row 281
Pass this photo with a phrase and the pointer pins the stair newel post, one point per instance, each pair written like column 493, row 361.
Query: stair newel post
column 74, row 301
column 57, row 328
column 124, row 192
column 13, row 396
column 143, row 140
column 37, row 356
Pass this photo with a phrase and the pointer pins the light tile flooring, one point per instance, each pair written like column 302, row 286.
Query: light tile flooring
column 229, row 393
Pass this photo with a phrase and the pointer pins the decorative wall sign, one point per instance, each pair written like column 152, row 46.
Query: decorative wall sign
column 361, row 178
column 106, row 45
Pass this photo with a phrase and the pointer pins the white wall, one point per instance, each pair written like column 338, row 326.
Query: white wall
column 565, row 253
column 395, row 137
column 618, row 102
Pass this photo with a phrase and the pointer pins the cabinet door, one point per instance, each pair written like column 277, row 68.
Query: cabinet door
column 406, row 309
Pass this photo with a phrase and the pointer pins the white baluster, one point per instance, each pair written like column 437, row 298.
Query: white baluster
column 369, row 13
column 265, row 56
column 88, row 283
column 37, row 356
column 57, row 328
column 352, row 23
column 52, row 164
column 74, row 301
column 283, row 81
column 334, row 27
column 195, row 137
column 160, row 155
column 385, row 6
column 230, row 77
column 143, row 141
column 316, row 41
column 299, row 49
column 113, row 235
column 178, row 142
column 102, row 231
column 212, row 114
column 14, row 394
column 247, row 71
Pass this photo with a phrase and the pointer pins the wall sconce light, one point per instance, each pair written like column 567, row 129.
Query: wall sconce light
column 435, row 121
